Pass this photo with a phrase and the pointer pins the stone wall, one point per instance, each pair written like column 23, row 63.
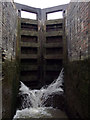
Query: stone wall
column 10, row 84
column 9, row 21
column 77, row 88
column 10, row 66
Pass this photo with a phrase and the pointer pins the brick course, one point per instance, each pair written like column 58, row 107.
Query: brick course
column 77, row 27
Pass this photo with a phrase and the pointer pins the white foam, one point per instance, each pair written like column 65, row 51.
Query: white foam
column 32, row 113
column 37, row 98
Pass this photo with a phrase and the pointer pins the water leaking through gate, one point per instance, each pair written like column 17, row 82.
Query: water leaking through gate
column 34, row 101
column 42, row 46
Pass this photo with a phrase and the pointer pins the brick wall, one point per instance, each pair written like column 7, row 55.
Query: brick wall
column 77, row 66
column 77, row 27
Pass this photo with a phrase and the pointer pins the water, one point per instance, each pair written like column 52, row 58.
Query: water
column 33, row 105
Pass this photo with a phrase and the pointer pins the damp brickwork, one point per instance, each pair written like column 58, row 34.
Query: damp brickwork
column 78, row 30
column 78, row 59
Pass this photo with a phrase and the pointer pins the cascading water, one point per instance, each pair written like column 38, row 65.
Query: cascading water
column 33, row 105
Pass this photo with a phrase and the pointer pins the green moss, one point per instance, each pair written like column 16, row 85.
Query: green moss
column 10, row 87
column 77, row 80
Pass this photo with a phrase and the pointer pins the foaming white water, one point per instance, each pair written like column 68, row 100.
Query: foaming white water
column 34, row 100
column 33, row 113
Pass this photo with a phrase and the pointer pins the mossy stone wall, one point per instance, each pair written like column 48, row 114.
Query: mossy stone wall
column 10, row 85
column 77, row 80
